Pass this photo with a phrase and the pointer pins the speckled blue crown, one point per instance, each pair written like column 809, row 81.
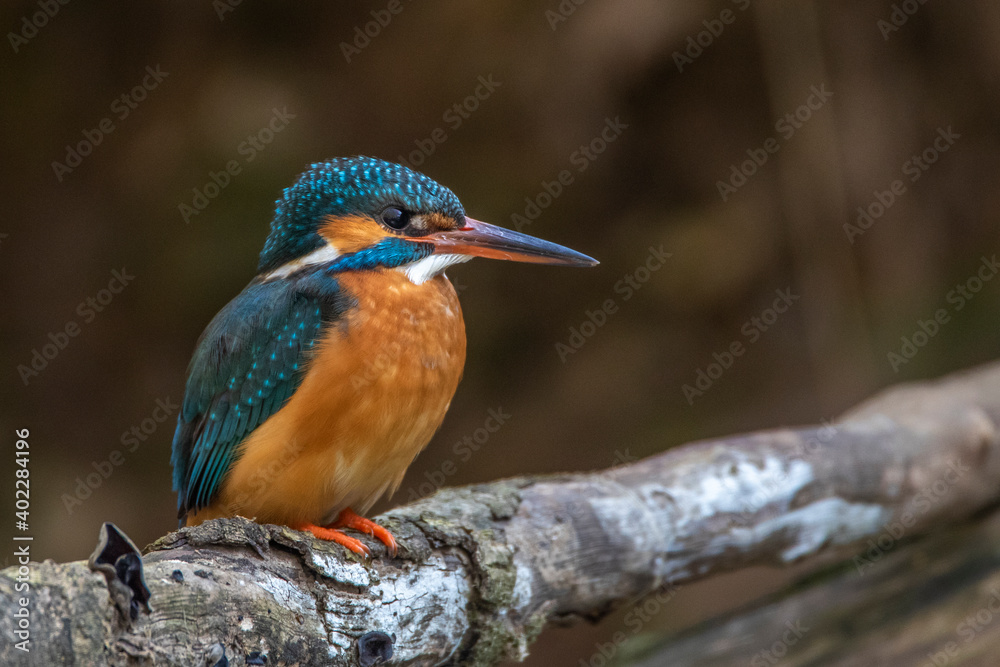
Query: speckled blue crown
column 347, row 186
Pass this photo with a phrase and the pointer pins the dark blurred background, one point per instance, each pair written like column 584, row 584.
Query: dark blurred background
column 681, row 92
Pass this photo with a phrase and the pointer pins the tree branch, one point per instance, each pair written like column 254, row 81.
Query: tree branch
column 934, row 601
column 483, row 569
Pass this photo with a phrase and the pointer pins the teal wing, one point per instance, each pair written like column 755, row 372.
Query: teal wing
column 248, row 362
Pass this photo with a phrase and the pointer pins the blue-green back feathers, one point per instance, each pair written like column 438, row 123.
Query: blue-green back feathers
column 248, row 362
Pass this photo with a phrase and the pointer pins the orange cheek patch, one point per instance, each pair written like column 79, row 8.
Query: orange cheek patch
column 440, row 223
column 352, row 233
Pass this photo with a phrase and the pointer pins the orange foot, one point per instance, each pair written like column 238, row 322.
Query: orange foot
column 348, row 519
column 329, row 534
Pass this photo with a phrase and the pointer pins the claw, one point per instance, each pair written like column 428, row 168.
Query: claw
column 348, row 519
column 333, row 535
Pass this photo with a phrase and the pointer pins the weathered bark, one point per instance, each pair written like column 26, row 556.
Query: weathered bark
column 925, row 603
column 483, row 569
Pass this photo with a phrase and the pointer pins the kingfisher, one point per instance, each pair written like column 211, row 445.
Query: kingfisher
column 310, row 393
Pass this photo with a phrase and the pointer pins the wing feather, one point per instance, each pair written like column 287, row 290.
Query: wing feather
column 247, row 364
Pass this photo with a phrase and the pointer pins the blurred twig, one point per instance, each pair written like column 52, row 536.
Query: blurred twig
column 813, row 200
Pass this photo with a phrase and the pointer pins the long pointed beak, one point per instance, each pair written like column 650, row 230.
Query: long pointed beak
column 481, row 239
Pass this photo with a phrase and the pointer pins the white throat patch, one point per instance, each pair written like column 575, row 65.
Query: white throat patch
column 424, row 269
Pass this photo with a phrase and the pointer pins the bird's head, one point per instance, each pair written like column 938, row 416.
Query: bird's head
column 363, row 213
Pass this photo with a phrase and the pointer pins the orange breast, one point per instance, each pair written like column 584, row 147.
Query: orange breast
column 374, row 394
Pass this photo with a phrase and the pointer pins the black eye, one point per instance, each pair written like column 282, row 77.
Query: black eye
column 395, row 217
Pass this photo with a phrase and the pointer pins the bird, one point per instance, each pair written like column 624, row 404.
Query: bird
column 312, row 391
